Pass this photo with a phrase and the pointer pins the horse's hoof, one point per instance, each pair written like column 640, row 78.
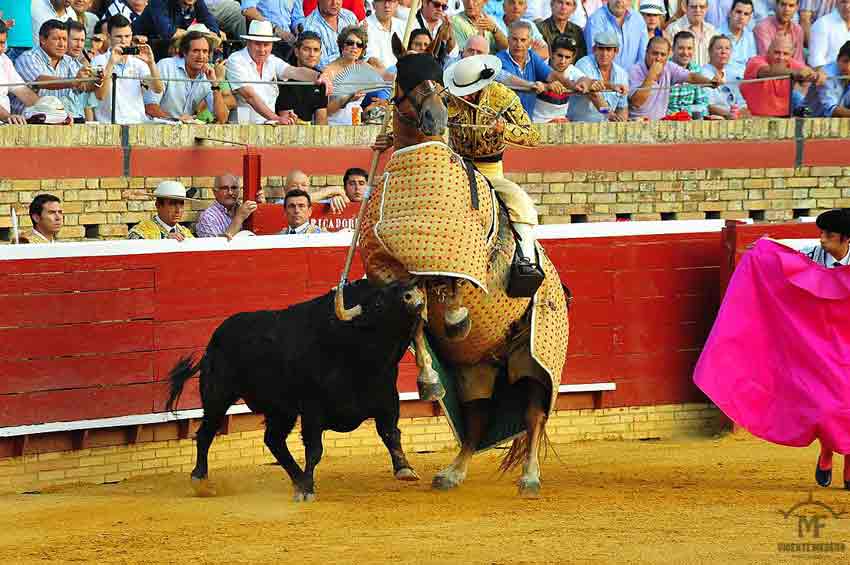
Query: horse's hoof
column 457, row 327
column 406, row 474
column 301, row 496
column 430, row 391
column 202, row 487
column 529, row 488
column 446, row 481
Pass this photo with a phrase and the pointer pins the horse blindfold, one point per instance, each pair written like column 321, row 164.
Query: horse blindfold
column 416, row 69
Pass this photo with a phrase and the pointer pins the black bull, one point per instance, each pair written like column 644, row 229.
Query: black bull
column 304, row 361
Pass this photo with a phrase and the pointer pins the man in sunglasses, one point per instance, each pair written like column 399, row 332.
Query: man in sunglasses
column 226, row 215
column 433, row 17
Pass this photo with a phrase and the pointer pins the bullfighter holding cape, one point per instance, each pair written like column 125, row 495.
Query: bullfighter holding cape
column 777, row 361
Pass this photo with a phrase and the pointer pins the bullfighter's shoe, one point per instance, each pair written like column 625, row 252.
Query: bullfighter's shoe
column 824, row 477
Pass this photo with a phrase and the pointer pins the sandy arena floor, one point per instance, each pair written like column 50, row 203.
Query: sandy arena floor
column 695, row 501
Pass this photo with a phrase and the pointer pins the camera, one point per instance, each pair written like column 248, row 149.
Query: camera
column 134, row 50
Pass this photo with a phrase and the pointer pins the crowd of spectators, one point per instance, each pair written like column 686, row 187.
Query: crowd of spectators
column 227, row 61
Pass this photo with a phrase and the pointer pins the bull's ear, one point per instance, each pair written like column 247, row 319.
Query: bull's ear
column 398, row 48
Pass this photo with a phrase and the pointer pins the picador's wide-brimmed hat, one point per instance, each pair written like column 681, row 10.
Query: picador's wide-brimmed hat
column 261, row 31
column 471, row 74
column 172, row 190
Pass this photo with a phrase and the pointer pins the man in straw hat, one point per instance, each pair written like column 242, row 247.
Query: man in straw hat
column 170, row 201
column 256, row 102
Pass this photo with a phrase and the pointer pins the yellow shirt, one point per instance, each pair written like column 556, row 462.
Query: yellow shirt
column 152, row 229
column 34, row 237
column 478, row 142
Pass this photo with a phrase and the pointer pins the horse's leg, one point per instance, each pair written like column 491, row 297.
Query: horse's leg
column 475, row 422
column 387, row 425
column 278, row 427
column 456, row 318
column 428, row 381
column 535, row 422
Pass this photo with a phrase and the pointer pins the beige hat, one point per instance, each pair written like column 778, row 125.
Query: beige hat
column 261, row 31
column 213, row 38
column 173, row 190
column 471, row 74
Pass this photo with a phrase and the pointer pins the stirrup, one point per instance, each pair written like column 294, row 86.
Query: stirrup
column 526, row 277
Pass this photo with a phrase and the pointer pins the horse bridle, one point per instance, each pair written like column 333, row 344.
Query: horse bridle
column 429, row 87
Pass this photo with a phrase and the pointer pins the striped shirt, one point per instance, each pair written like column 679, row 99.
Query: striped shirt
column 120, row 8
column 35, row 63
column 213, row 221
column 330, row 49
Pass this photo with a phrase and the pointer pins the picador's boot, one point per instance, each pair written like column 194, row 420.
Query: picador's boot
column 526, row 274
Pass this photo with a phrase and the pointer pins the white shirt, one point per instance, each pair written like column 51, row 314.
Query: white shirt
column 380, row 39
column 828, row 35
column 130, row 106
column 179, row 98
column 240, row 67
column 41, row 11
column 545, row 111
column 8, row 75
column 539, row 9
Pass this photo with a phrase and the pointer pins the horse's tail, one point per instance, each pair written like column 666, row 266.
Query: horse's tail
column 182, row 372
column 521, row 447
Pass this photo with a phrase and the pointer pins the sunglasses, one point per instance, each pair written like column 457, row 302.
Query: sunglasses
column 352, row 43
column 443, row 7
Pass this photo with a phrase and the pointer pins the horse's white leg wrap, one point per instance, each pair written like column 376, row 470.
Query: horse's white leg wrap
column 526, row 245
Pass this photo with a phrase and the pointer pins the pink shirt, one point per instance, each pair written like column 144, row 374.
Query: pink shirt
column 767, row 29
column 769, row 97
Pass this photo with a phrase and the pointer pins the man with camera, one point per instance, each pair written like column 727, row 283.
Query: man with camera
column 133, row 65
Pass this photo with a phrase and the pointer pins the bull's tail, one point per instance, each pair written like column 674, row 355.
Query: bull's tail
column 521, row 447
column 182, row 372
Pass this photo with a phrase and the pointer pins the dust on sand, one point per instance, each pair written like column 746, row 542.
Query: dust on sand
column 690, row 501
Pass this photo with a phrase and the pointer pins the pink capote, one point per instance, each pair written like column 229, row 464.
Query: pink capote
column 777, row 361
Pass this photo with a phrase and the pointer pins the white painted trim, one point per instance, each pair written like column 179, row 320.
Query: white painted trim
column 330, row 239
column 160, row 417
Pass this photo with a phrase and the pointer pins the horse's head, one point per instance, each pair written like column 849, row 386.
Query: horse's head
column 418, row 100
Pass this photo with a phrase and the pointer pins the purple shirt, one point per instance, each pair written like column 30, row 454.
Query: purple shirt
column 213, row 221
column 655, row 106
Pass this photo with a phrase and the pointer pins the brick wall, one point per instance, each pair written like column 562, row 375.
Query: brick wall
column 116, row 463
column 765, row 169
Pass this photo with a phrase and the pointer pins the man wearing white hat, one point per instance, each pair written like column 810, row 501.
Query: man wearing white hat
column 256, row 102
column 653, row 14
column 488, row 103
column 170, row 200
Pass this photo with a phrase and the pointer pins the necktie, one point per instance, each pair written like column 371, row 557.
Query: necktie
column 836, row 264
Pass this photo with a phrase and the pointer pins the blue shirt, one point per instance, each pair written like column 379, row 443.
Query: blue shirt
column 581, row 109
column 19, row 10
column 825, row 99
column 633, row 36
column 742, row 49
column 535, row 69
column 35, row 63
column 286, row 14
column 330, row 49
column 163, row 17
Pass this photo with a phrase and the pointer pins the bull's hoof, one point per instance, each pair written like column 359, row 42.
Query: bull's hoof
column 446, row 480
column 431, row 391
column 202, row 487
column 406, row 474
column 529, row 488
column 301, row 496
column 457, row 324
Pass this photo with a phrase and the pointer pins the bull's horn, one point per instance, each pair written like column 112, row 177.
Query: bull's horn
column 339, row 307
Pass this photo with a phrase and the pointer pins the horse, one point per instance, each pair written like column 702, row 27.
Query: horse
column 472, row 323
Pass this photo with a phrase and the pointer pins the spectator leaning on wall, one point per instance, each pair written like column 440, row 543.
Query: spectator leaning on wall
column 8, row 75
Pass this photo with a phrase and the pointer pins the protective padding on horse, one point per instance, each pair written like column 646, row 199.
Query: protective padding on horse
column 424, row 227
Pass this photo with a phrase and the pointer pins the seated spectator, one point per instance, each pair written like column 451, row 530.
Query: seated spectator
column 629, row 27
column 653, row 16
column 433, row 17
column 810, row 12
column 612, row 104
column 553, row 103
column 559, row 24
column 129, row 104
column 514, row 11
column 651, row 79
column 686, row 97
column 356, row 7
column 418, row 42
column 226, row 215
column 772, row 97
column 228, row 14
column 43, row 10
column 475, row 45
column 163, row 18
column 519, row 60
column 333, row 196
column 182, row 100
column 473, row 21
column 298, row 208
column 170, row 201
column 780, row 24
column 737, row 28
column 84, row 16
column 829, row 33
column 295, row 179
column 8, row 75
column 381, row 26
column 356, row 183
column 50, row 62
column 285, row 17
column 46, row 215
column 694, row 22
column 256, row 102
column 307, row 102
column 832, row 100
column 726, row 100
column 328, row 20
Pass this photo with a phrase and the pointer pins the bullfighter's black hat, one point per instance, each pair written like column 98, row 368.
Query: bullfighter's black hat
column 836, row 221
